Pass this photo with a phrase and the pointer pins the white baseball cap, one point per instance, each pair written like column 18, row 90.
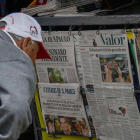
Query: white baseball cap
column 25, row 26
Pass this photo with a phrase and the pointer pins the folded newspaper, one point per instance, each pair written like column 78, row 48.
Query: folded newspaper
column 62, row 106
column 61, row 68
column 72, row 9
column 63, row 110
column 104, row 67
column 104, row 70
column 105, row 59
column 51, row 6
column 59, row 6
column 65, row 117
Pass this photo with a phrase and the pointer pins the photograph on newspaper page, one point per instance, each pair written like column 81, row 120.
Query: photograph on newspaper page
column 59, row 91
column 65, row 117
column 114, row 68
column 61, row 68
column 105, row 59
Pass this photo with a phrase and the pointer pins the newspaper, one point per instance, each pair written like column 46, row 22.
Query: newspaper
column 54, row 6
column 65, row 117
column 62, row 107
column 63, row 10
column 61, row 68
column 46, row 136
column 41, row 8
column 59, row 91
column 105, row 59
column 115, row 113
column 111, row 100
column 80, row 74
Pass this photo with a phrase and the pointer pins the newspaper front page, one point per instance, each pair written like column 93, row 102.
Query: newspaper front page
column 61, row 68
column 65, row 117
column 109, row 85
column 62, row 107
column 105, row 59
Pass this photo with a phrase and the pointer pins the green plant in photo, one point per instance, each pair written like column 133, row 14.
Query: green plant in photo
column 55, row 75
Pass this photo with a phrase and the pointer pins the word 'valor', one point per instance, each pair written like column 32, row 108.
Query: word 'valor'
column 109, row 39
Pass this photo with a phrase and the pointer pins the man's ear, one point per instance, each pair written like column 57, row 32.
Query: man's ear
column 25, row 43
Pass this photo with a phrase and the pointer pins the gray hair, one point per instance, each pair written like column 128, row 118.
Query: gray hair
column 3, row 24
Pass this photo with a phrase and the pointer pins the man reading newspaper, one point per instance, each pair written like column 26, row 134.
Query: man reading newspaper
column 20, row 45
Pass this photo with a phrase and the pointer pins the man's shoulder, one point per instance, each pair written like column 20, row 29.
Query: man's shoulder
column 11, row 57
column 10, row 53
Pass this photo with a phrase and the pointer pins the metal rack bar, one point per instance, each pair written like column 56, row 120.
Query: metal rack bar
column 92, row 20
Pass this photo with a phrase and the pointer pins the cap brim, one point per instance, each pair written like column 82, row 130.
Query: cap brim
column 43, row 54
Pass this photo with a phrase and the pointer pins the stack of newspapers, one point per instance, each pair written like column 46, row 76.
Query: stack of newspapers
column 64, row 7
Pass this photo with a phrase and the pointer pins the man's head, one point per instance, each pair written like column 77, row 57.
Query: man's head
column 26, row 32
column 114, row 64
column 76, row 127
column 64, row 124
column 50, row 126
column 29, row 46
